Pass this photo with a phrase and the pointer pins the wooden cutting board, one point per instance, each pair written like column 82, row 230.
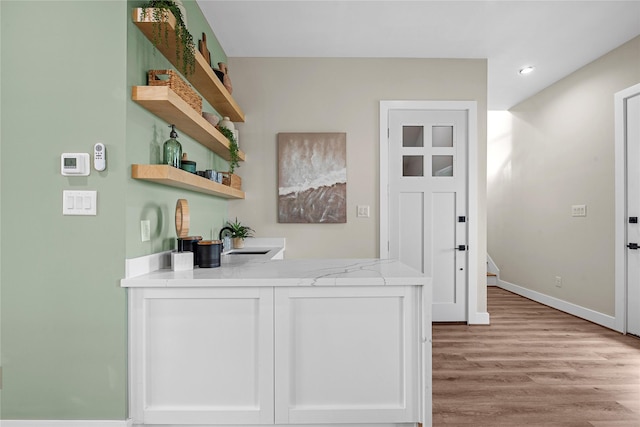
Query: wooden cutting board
column 182, row 218
column 202, row 47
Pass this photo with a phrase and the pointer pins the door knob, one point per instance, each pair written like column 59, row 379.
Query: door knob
column 633, row 246
column 464, row 248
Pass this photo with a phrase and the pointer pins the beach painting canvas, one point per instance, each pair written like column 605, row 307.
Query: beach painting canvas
column 312, row 177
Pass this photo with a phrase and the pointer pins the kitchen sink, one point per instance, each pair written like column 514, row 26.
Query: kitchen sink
column 247, row 252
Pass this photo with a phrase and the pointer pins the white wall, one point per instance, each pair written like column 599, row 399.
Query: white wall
column 338, row 95
column 552, row 151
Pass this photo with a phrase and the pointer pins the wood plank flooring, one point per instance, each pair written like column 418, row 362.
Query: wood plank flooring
column 534, row 366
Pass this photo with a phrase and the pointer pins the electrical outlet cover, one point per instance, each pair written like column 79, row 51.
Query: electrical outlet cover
column 145, row 230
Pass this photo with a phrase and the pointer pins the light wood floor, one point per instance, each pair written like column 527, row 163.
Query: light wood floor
column 534, row 366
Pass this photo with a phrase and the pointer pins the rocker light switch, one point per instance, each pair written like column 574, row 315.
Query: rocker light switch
column 363, row 211
column 79, row 202
column 579, row 210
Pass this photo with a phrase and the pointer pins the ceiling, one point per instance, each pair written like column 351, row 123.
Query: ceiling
column 557, row 37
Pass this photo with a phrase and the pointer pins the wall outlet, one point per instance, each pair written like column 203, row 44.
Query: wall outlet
column 145, row 230
column 558, row 282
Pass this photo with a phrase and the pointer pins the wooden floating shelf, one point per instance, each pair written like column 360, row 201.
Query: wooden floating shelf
column 166, row 104
column 174, row 177
column 203, row 79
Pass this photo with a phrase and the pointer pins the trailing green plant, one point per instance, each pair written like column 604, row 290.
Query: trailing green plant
column 185, row 46
column 234, row 161
column 238, row 230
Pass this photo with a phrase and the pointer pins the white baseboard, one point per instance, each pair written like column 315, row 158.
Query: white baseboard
column 65, row 423
column 480, row 319
column 576, row 310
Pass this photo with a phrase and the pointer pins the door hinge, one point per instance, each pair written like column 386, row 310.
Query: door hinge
column 462, row 219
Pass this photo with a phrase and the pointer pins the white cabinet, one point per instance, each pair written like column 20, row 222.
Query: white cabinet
column 276, row 355
column 201, row 356
column 347, row 355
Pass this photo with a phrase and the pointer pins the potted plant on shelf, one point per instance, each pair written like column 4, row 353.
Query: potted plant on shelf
column 239, row 232
column 230, row 178
column 185, row 46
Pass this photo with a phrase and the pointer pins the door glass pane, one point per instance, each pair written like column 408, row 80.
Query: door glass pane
column 412, row 166
column 413, row 136
column 442, row 166
column 442, row 136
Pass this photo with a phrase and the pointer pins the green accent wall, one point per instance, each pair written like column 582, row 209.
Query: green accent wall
column 63, row 314
column 146, row 135
column 66, row 73
column 0, row 215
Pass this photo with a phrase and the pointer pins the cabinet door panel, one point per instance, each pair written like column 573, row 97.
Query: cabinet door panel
column 207, row 356
column 346, row 355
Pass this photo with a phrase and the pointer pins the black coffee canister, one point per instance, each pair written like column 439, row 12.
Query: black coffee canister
column 209, row 253
column 190, row 244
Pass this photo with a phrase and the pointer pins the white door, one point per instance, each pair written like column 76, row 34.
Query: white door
column 428, row 202
column 632, row 136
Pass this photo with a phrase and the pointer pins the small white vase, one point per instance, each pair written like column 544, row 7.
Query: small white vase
column 225, row 122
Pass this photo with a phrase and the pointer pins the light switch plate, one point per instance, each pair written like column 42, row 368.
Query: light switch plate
column 79, row 202
column 579, row 210
column 363, row 211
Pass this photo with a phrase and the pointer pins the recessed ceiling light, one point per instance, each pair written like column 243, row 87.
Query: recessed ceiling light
column 527, row 70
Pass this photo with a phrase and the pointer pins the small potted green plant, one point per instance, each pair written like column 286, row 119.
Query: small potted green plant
column 239, row 232
column 185, row 46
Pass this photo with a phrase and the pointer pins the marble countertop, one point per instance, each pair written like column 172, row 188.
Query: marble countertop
column 261, row 270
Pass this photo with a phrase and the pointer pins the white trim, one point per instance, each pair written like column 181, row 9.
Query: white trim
column 285, row 425
column 576, row 310
column 620, row 207
column 65, row 423
column 146, row 264
column 473, row 316
column 385, row 106
column 492, row 267
column 482, row 318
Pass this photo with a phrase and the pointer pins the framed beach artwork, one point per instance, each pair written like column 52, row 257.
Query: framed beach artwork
column 312, row 177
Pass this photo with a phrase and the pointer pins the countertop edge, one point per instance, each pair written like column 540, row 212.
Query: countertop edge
column 258, row 272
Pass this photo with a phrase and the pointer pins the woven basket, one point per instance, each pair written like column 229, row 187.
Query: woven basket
column 176, row 84
column 232, row 180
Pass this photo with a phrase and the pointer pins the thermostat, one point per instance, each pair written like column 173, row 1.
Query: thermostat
column 74, row 164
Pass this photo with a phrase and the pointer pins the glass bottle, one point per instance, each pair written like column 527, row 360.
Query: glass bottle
column 173, row 149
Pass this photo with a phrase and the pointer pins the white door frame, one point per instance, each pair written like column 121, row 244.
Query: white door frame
column 473, row 316
column 620, row 322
